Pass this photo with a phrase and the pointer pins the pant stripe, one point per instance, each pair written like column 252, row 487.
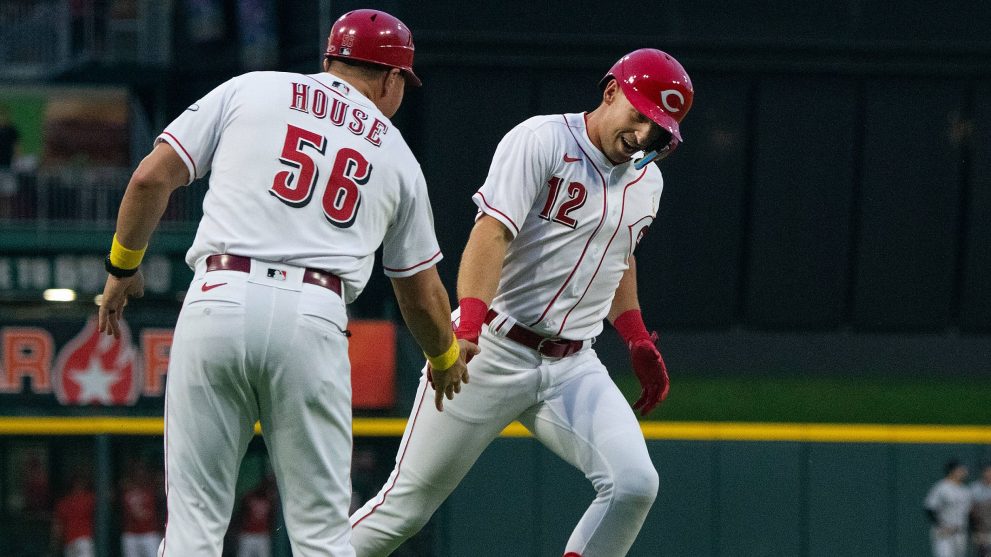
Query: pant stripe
column 399, row 464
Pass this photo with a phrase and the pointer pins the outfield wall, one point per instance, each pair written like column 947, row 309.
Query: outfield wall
column 727, row 489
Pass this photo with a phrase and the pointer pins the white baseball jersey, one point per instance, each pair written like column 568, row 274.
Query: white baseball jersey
column 951, row 503
column 980, row 491
column 576, row 219
column 323, row 192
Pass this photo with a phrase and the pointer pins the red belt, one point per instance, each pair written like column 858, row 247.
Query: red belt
column 551, row 347
column 228, row 262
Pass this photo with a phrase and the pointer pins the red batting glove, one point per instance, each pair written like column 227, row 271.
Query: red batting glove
column 646, row 359
column 473, row 311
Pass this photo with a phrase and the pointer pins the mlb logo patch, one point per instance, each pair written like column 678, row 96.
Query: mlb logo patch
column 276, row 274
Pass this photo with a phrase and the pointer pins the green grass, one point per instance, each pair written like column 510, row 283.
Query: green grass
column 957, row 401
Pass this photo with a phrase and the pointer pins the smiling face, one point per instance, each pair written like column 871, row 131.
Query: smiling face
column 620, row 131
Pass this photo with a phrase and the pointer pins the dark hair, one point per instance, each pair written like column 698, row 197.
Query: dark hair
column 951, row 465
column 359, row 64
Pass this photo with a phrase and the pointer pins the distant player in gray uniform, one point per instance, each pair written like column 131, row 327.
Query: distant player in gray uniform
column 948, row 507
column 980, row 492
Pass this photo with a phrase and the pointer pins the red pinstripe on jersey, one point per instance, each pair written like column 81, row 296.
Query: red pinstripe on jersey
column 191, row 161
column 402, row 456
column 504, row 215
column 605, row 201
column 165, row 443
column 604, row 251
column 424, row 262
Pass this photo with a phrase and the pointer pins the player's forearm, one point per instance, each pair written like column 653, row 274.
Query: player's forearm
column 625, row 297
column 426, row 309
column 481, row 262
column 147, row 196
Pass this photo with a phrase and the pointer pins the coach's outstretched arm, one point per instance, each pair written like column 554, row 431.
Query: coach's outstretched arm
column 146, row 197
column 478, row 276
column 647, row 362
column 423, row 302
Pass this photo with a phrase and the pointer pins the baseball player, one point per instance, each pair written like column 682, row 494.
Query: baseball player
column 948, row 506
column 140, row 534
column 566, row 201
column 309, row 176
column 980, row 493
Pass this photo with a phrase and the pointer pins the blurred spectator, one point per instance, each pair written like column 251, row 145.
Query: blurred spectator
column 364, row 482
column 141, row 527
column 9, row 150
column 36, row 491
column 980, row 492
column 948, row 507
column 9, row 139
column 257, row 513
column 72, row 524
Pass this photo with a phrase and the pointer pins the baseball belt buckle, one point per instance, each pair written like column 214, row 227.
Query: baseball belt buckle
column 540, row 345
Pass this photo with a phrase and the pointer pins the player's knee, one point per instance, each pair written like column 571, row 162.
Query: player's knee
column 412, row 522
column 637, row 486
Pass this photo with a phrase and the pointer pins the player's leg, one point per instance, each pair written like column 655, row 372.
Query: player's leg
column 250, row 545
column 149, row 544
column 942, row 544
column 209, row 420
column 438, row 448
column 585, row 420
column 304, row 395
column 960, row 544
column 146, row 545
column 127, row 545
column 81, row 547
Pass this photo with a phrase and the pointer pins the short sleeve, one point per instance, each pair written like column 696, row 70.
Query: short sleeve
column 932, row 498
column 410, row 243
column 517, row 174
column 194, row 134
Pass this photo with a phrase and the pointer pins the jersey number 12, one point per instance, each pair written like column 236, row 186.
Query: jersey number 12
column 342, row 198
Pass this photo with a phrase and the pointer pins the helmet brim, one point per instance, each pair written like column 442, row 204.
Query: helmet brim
column 411, row 78
column 650, row 110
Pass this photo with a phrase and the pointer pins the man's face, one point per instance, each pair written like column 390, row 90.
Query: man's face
column 625, row 131
column 959, row 473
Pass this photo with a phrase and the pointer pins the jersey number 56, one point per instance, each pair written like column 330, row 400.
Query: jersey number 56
column 342, row 198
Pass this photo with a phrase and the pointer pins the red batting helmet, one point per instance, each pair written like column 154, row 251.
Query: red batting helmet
column 657, row 86
column 375, row 37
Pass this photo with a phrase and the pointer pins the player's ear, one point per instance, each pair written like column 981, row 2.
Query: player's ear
column 610, row 91
column 393, row 78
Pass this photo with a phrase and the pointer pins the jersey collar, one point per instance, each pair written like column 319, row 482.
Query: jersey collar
column 343, row 88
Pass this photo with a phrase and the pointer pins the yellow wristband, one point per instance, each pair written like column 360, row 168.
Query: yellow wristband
column 447, row 359
column 125, row 258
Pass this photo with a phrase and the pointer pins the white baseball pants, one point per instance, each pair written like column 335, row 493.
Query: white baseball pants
column 261, row 346
column 139, row 545
column 948, row 545
column 569, row 404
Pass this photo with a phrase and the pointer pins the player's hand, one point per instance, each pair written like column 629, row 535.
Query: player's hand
column 115, row 295
column 468, row 336
column 652, row 373
column 448, row 383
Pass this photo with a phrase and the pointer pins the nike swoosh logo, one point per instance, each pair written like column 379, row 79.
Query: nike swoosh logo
column 208, row 287
column 571, row 159
column 193, row 107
